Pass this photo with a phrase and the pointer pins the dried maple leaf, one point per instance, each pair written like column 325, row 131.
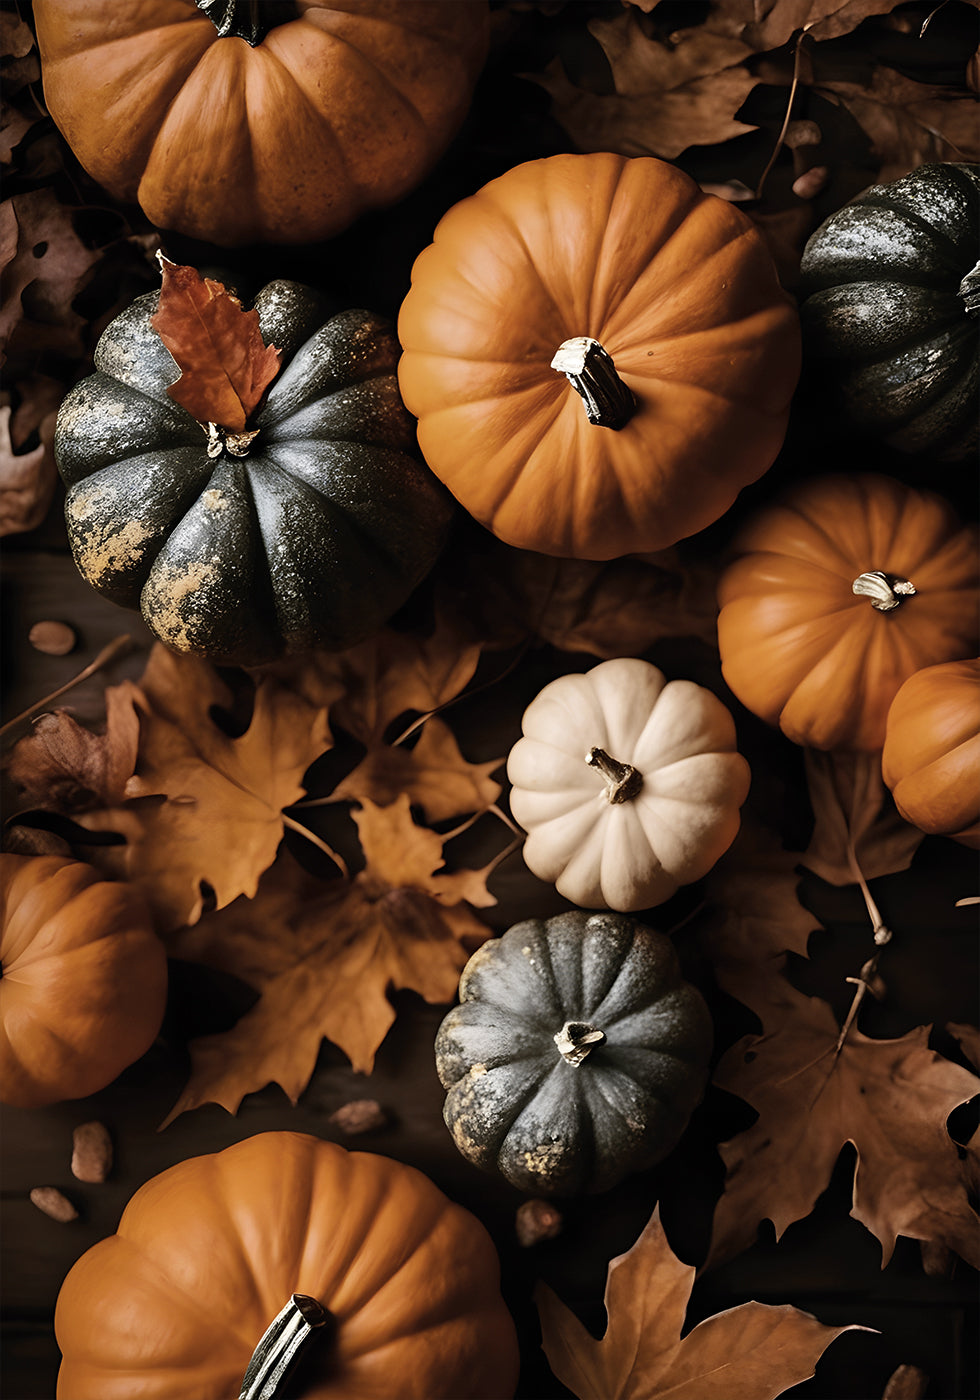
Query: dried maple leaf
column 324, row 954
column 749, row 1352
column 225, row 366
column 218, row 817
column 769, row 24
column 752, row 890
column 890, row 1098
column 667, row 97
column 434, row 774
column 27, row 479
column 65, row 767
column 852, row 807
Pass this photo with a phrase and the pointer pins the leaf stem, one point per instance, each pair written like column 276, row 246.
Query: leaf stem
column 864, row 982
column 110, row 652
column 317, row 841
column 781, row 138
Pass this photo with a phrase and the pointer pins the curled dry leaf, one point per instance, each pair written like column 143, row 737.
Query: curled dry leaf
column 752, row 892
column 216, row 818
column 667, row 96
column 323, row 955
column 64, row 767
column 852, row 805
column 890, row 1098
column 750, row 1352
column 27, row 479
column 225, row 366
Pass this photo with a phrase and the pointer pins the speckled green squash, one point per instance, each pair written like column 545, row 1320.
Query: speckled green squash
column 576, row 1055
column 891, row 288
column 313, row 539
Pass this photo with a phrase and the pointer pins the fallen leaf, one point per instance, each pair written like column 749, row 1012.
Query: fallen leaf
column 218, row 815
column 890, row 1098
column 969, row 1041
column 667, row 97
column 434, row 774
column 67, row 768
column 225, row 366
column 752, row 893
column 27, row 479
column 769, row 24
column 852, row 805
column 749, row 1352
column 323, row 955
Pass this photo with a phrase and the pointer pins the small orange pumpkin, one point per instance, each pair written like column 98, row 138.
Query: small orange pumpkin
column 840, row 592
column 84, row 982
column 400, row 1286
column 599, row 354
column 269, row 122
column 931, row 758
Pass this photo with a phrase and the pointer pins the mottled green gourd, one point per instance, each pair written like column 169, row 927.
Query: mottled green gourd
column 312, row 538
column 891, row 295
column 576, row 1055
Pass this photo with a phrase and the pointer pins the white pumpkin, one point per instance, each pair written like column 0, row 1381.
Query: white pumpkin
column 628, row 785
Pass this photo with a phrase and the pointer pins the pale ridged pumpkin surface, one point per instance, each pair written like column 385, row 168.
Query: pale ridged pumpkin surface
column 680, row 291
column 207, row 1253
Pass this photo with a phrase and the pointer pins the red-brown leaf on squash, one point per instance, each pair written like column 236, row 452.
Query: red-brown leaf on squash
column 225, row 365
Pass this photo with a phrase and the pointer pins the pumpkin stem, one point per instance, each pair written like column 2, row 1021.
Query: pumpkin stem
column 970, row 291
column 280, row 1347
column 576, row 1039
column 623, row 781
column 590, row 371
column 250, row 20
column 235, row 444
column 886, row 591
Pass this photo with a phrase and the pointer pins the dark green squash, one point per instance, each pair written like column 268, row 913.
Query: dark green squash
column 891, row 294
column 576, row 1055
column 312, row 539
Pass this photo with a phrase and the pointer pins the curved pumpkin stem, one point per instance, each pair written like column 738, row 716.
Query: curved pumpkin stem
column 969, row 290
column 281, row 1345
column 576, row 1039
column 609, row 403
column 250, row 20
column 623, row 781
column 886, row 591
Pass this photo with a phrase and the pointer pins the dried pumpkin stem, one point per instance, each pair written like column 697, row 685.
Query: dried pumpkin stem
column 609, row 403
column 886, row 591
column 623, row 781
column 281, row 1345
column 970, row 291
column 576, row 1039
column 250, row 20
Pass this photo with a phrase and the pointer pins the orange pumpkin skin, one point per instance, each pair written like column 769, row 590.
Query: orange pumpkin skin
column 84, row 983
column 209, row 1251
column 931, row 758
column 680, row 291
column 341, row 109
column 800, row 649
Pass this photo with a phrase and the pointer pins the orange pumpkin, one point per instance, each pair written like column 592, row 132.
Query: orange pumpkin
column 600, row 356
column 281, row 132
column 840, row 592
column 84, row 983
column 931, row 758
column 209, row 1253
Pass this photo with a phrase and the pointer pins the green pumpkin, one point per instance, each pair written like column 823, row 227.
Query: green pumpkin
column 576, row 1055
column 891, row 291
column 312, row 539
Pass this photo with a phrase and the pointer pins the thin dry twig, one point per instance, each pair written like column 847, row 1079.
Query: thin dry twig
column 117, row 647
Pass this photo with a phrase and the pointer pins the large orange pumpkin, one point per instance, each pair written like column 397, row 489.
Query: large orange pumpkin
column 84, row 982
column 281, row 131
column 599, row 355
column 840, row 592
column 931, row 758
column 210, row 1252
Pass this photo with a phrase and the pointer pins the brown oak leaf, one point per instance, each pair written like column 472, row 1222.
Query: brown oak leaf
column 434, row 774
column 750, row 1352
column 225, row 366
column 667, row 96
column 756, row 915
column 323, row 955
column 890, row 1098
column 65, row 767
column 216, row 818
column 851, row 805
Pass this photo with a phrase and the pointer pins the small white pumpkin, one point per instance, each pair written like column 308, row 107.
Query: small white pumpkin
column 628, row 785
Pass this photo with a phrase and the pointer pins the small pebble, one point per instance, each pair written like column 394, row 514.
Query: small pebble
column 811, row 182
column 53, row 638
column 53, row 1203
column 535, row 1221
column 802, row 133
column 907, row 1383
column 91, row 1154
column 937, row 1258
column 358, row 1116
